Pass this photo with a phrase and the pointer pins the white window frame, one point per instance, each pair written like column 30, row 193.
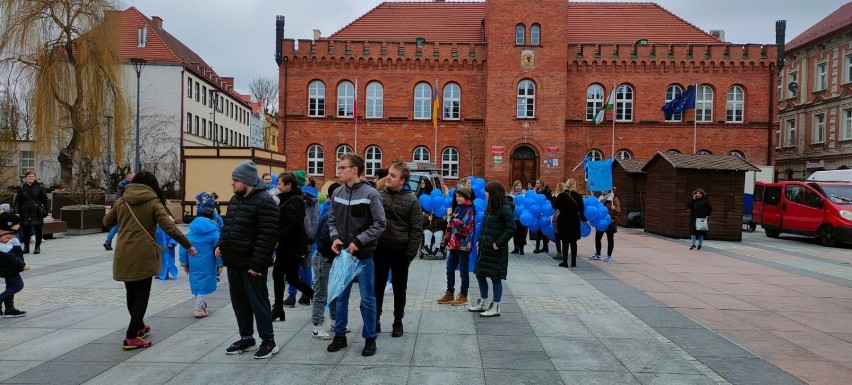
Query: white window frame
column 189, row 122
column 520, row 34
column 526, row 99
column 340, row 151
column 450, row 163
column 27, row 161
column 818, row 129
column 423, row 101
column 189, row 88
column 821, row 76
column 535, row 34
column 375, row 100
column 847, row 68
column 623, row 154
column 672, row 92
column 735, row 108
column 595, row 154
column 594, row 100
column 345, row 99
column 792, row 76
column 316, row 99
column 790, row 133
column 316, row 160
column 421, row 154
column 624, row 103
column 704, row 104
column 372, row 160
column 452, row 102
column 846, row 126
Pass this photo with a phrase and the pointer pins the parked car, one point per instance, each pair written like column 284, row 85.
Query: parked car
column 817, row 209
column 832, row 176
column 420, row 170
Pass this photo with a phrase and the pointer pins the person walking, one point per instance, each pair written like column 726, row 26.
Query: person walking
column 245, row 246
column 11, row 264
column 498, row 226
column 458, row 240
column 519, row 240
column 137, row 259
column 31, row 206
column 398, row 244
column 699, row 208
column 128, row 176
column 613, row 206
column 322, row 260
column 356, row 220
column 292, row 243
column 570, row 205
column 203, row 268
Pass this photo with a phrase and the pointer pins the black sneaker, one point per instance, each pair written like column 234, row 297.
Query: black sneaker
column 243, row 345
column 107, row 246
column 397, row 329
column 369, row 348
column 14, row 313
column 290, row 302
column 267, row 349
column 339, row 342
column 304, row 300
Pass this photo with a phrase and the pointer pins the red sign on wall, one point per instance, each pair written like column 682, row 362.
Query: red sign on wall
column 552, row 149
column 498, row 150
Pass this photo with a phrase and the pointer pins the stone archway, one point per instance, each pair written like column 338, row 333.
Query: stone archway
column 524, row 165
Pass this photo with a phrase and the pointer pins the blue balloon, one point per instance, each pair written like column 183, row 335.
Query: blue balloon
column 548, row 230
column 437, row 201
column 547, row 210
column 518, row 211
column 435, row 193
column 535, row 210
column 528, row 202
column 601, row 225
column 448, row 200
column 529, row 194
column 480, row 216
column 479, row 203
column 452, row 192
column 426, row 202
column 585, row 229
column 591, row 213
column 602, row 211
column 526, row 218
column 534, row 226
column 544, row 222
column 540, row 199
column 479, row 182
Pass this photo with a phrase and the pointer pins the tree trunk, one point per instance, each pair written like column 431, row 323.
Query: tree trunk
column 66, row 165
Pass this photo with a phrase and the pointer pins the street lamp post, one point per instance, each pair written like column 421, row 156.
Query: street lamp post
column 138, row 65
column 215, row 108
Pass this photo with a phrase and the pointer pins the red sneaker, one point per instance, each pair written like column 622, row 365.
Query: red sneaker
column 142, row 333
column 136, row 343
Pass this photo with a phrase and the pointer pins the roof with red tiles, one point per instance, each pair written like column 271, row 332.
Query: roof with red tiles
column 461, row 22
column 702, row 162
column 836, row 21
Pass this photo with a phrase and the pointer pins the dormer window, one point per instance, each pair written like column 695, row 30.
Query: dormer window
column 142, row 37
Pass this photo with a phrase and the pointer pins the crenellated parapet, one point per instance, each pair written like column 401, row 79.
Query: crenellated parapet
column 333, row 50
column 718, row 55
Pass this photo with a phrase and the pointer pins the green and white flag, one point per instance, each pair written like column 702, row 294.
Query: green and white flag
column 610, row 101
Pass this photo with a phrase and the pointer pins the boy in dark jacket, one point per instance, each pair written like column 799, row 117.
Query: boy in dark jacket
column 11, row 263
column 292, row 242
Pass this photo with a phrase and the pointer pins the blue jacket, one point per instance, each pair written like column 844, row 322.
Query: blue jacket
column 204, row 235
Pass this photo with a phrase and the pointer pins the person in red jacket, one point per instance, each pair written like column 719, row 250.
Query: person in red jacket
column 459, row 240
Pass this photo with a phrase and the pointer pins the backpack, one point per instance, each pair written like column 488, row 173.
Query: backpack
column 311, row 217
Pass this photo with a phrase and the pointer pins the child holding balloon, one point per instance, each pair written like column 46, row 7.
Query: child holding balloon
column 459, row 241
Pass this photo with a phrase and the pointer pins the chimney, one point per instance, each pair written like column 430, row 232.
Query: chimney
column 158, row 21
column 718, row 33
column 279, row 35
column 317, row 34
column 780, row 36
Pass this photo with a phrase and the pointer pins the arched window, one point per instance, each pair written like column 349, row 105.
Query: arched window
column 673, row 151
column 526, row 99
column 737, row 153
column 623, row 154
column 450, row 163
column 594, row 100
column 316, row 160
column 375, row 100
column 316, row 99
column 345, row 99
column 595, row 154
column 703, row 152
column 421, row 154
column 452, row 102
column 343, row 149
column 519, row 34
column 704, row 104
column 624, row 104
column 422, row 101
column 735, row 105
column 372, row 160
column 672, row 92
column 535, row 34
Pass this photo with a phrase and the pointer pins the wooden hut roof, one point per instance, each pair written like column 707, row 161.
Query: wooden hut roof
column 632, row 166
column 702, row 162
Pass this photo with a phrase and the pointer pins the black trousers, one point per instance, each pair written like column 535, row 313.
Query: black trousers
column 540, row 237
column 569, row 245
column 397, row 264
column 250, row 300
column 519, row 239
column 287, row 269
column 610, row 243
column 138, row 293
column 27, row 230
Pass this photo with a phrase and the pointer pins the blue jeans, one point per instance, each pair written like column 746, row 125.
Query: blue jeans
column 366, row 280
column 307, row 276
column 483, row 287
column 112, row 232
column 699, row 238
column 458, row 259
column 14, row 284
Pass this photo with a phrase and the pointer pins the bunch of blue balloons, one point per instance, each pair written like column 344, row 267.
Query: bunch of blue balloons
column 534, row 211
column 435, row 202
column 596, row 213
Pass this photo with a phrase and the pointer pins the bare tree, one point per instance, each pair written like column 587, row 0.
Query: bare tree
column 473, row 144
column 266, row 89
column 68, row 48
column 10, row 121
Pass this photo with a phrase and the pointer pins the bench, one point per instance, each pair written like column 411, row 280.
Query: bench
column 53, row 226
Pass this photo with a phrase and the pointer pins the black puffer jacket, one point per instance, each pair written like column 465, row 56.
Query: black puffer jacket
column 292, row 240
column 250, row 231
column 404, row 222
column 698, row 208
column 26, row 202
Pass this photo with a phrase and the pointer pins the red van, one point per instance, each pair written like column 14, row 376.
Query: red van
column 817, row 209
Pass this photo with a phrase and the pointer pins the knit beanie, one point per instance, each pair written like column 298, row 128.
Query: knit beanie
column 332, row 187
column 301, row 177
column 464, row 191
column 8, row 220
column 246, row 172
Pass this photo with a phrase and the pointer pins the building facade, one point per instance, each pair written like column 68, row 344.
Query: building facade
column 815, row 99
column 518, row 84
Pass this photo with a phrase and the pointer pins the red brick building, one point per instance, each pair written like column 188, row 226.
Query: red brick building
column 518, row 82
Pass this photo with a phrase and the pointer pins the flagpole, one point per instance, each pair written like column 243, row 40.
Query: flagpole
column 614, row 111
column 695, row 124
column 355, row 114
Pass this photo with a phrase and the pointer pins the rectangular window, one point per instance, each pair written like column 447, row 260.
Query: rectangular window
column 210, row 96
column 188, row 122
column 778, row 137
column 27, row 161
column 203, row 127
column 792, row 90
column 189, row 88
column 818, row 131
column 195, row 127
column 790, row 133
column 821, row 76
column 210, row 129
column 197, row 90
column 846, row 115
column 847, row 68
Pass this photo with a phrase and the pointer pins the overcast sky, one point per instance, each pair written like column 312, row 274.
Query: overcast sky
column 237, row 38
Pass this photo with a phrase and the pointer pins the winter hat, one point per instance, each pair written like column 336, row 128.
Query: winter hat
column 301, row 177
column 464, row 191
column 246, row 172
column 206, row 212
column 8, row 220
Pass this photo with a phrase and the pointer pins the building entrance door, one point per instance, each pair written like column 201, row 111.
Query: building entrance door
column 524, row 165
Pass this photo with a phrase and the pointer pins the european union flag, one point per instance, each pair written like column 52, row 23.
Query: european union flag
column 686, row 101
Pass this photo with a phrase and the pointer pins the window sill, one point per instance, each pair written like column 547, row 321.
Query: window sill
column 735, row 122
column 524, row 118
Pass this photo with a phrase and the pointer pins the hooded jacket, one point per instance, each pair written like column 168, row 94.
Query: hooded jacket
column 204, row 234
column 404, row 220
column 251, row 230
column 357, row 216
column 136, row 257
column 27, row 200
column 292, row 242
column 11, row 254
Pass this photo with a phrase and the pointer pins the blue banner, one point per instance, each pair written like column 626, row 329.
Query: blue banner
column 599, row 174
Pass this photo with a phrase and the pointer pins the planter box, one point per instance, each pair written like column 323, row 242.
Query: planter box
column 84, row 220
column 61, row 199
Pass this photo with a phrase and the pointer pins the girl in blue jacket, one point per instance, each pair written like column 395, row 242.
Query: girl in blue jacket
column 203, row 268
